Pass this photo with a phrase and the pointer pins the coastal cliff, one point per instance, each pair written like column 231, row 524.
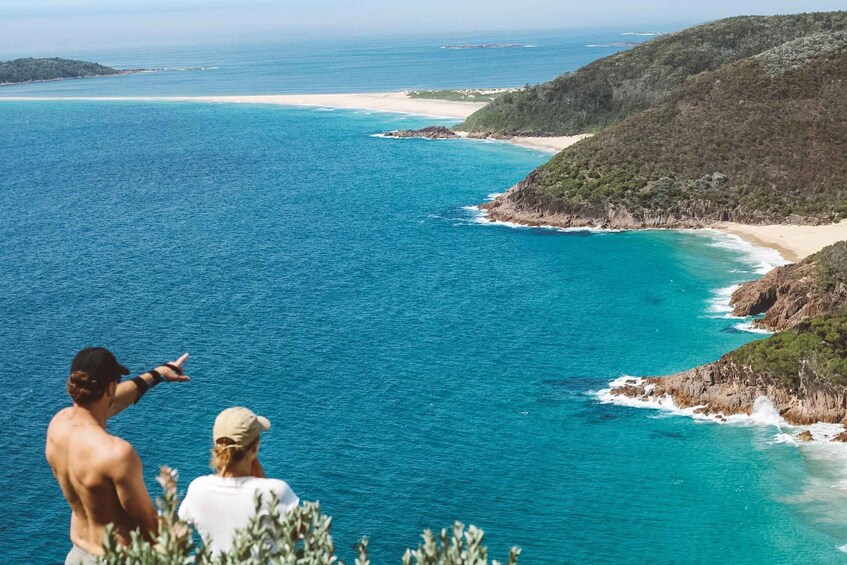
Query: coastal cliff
column 802, row 369
column 727, row 387
column 789, row 295
column 528, row 203
column 757, row 141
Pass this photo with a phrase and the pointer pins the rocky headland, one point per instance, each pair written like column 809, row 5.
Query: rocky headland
column 442, row 132
column 802, row 369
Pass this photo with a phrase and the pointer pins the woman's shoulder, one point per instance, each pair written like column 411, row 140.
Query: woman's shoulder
column 276, row 485
column 200, row 483
column 287, row 498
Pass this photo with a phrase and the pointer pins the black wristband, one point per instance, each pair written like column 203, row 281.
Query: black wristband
column 173, row 368
column 141, row 385
column 157, row 376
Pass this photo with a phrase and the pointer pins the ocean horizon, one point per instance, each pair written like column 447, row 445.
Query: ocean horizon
column 419, row 364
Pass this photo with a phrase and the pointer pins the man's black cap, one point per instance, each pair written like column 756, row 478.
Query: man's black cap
column 99, row 363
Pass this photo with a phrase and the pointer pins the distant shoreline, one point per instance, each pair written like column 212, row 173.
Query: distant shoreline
column 394, row 102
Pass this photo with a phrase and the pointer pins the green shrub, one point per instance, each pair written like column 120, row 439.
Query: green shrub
column 820, row 343
column 300, row 536
column 611, row 89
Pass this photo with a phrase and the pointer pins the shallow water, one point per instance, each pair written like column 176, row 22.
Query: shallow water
column 418, row 367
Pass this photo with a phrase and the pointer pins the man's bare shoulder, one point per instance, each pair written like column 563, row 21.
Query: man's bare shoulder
column 60, row 418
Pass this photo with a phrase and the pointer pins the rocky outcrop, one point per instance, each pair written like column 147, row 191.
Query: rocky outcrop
column 805, row 435
column 801, row 371
column 429, row 132
column 726, row 387
column 528, row 203
column 441, row 132
column 788, row 295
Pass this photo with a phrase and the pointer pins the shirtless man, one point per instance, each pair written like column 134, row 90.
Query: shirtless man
column 100, row 474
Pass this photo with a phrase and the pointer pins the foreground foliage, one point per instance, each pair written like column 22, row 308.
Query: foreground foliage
column 29, row 69
column 298, row 537
column 609, row 90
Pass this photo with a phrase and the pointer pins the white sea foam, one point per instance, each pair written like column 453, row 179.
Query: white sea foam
column 719, row 303
column 479, row 216
column 764, row 414
column 762, row 259
column 747, row 326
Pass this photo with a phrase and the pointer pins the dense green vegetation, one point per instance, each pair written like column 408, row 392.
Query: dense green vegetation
column 464, row 95
column 819, row 343
column 300, row 536
column 611, row 89
column 758, row 140
column 831, row 264
column 29, row 69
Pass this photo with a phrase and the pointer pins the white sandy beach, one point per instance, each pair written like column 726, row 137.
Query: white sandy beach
column 398, row 102
column 792, row 241
column 555, row 144
column 552, row 144
column 377, row 101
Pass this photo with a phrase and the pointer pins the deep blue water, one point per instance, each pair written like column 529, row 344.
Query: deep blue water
column 354, row 65
column 418, row 366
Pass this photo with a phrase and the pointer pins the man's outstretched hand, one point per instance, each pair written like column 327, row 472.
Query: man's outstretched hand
column 170, row 375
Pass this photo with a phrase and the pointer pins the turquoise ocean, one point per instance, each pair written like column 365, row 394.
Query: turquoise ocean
column 419, row 365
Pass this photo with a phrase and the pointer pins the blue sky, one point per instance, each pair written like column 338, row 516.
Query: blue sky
column 62, row 24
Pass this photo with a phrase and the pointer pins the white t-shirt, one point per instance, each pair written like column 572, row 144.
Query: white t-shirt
column 218, row 506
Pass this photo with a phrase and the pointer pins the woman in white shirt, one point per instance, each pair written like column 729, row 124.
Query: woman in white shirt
column 220, row 504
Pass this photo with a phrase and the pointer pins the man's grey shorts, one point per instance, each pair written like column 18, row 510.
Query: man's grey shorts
column 78, row 556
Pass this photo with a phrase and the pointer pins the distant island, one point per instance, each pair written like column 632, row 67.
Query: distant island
column 37, row 70
column 21, row 71
column 644, row 33
column 486, row 46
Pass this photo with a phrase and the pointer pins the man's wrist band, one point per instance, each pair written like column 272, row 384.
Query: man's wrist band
column 141, row 385
column 157, row 376
column 174, row 368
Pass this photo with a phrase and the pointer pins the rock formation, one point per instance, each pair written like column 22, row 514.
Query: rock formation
column 429, row 132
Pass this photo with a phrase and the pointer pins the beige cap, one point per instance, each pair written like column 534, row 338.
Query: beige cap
column 240, row 425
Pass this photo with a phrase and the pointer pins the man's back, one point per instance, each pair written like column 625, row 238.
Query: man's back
column 85, row 458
